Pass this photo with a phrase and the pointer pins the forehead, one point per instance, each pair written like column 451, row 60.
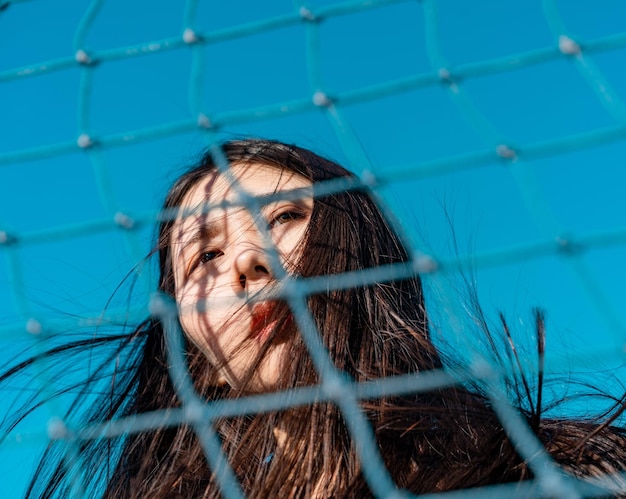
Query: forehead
column 255, row 178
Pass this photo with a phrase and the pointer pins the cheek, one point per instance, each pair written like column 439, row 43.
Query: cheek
column 192, row 326
column 289, row 245
column 193, row 300
column 212, row 323
column 199, row 331
column 195, row 323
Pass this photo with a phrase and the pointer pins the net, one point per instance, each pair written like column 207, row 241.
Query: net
column 518, row 105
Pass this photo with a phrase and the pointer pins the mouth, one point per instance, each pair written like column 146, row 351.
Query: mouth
column 270, row 318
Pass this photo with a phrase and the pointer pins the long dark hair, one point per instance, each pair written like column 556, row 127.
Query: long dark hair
column 441, row 440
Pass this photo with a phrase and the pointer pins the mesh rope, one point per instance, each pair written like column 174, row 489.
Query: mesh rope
column 555, row 239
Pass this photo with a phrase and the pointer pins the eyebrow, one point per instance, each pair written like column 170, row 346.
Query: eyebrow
column 205, row 231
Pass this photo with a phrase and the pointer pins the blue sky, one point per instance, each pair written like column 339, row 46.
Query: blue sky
column 556, row 188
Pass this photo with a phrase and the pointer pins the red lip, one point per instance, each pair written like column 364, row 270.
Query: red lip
column 266, row 316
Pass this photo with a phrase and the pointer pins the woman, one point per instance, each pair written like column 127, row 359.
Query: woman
column 227, row 268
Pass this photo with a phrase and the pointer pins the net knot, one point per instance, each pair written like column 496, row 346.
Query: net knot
column 554, row 485
column 567, row 246
column 57, row 429
column 424, row 264
column 6, row 238
column 481, row 369
column 568, row 46
column 82, row 57
column 369, row 179
column 204, row 121
column 336, row 389
column 33, row 326
column 506, row 152
column 445, row 76
column 190, row 36
column 160, row 307
column 307, row 14
column 84, row 141
column 320, row 99
column 194, row 412
column 124, row 221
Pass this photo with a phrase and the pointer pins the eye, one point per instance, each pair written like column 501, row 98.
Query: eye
column 202, row 259
column 207, row 256
column 285, row 217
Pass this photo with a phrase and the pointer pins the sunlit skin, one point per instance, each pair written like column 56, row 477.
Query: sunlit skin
column 222, row 266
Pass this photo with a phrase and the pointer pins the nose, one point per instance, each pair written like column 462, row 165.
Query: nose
column 251, row 269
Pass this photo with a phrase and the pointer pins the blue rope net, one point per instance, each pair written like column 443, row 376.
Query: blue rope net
column 513, row 154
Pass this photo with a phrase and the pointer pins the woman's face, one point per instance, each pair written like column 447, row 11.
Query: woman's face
column 222, row 261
